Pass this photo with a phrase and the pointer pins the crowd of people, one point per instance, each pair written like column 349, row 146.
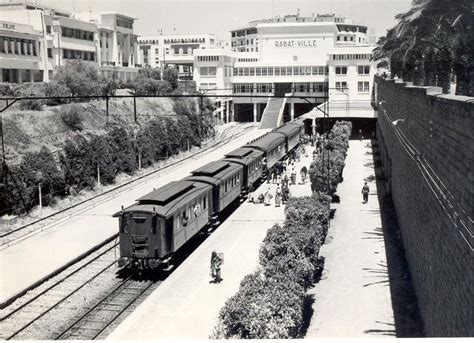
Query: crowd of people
column 283, row 174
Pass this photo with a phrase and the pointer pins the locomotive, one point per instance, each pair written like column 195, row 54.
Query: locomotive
column 162, row 221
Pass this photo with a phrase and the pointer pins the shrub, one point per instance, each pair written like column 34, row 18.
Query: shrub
column 170, row 75
column 102, row 156
column 79, row 169
column 80, row 78
column 122, row 149
column 21, row 192
column 71, row 117
column 262, row 308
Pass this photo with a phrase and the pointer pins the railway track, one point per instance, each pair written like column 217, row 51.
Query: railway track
column 99, row 319
column 53, row 303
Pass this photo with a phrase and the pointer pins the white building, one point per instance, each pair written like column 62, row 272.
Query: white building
column 173, row 50
column 20, row 57
column 103, row 39
column 117, row 42
column 319, row 58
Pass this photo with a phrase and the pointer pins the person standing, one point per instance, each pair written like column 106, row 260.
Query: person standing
column 268, row 197
column 278, row 196
column 365, row 193
column 216, row 263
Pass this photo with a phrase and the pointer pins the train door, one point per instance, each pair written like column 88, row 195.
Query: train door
column 167, row 237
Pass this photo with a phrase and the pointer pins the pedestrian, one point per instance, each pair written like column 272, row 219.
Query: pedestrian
column 285, row 193
column 269, row 175
column 278, row 196
column 361, row 135
column 284, row 180
column 251, row 193
column 268, row 197
column 275, row 175
column 365, row 193
column 216, row 263
column 293, row 175
column 304, row 172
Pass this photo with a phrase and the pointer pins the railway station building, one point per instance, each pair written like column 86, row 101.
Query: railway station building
column 325, row 57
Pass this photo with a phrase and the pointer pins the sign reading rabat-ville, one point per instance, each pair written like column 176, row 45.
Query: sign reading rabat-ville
column 296, row 43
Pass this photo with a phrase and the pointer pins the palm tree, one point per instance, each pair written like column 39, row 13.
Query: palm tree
column 429, row 42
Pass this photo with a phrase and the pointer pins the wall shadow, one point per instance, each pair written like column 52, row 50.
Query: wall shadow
column 408, row 322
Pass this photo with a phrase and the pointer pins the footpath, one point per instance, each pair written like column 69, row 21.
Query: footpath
column 353, row 297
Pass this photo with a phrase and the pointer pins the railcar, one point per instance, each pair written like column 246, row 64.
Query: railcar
column 160, row 222
column 292, row 132
column 251, row 160
column 273, row 146
column 225, row 177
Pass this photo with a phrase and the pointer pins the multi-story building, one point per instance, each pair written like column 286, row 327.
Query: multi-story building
column 104, row 39
column 118, row 46
column 173, row 50
column 20, row 57
column 318, row 57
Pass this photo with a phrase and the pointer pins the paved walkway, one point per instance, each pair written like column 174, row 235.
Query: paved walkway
column 33, row 259
column 353, row 298
column 186, row 305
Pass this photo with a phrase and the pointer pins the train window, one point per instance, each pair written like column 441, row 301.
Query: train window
column 238, row 178
column 204, row 203
column 225, row 186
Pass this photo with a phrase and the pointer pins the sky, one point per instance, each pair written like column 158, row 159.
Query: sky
column 221, row 16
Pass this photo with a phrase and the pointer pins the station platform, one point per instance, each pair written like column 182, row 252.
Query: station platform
column 186, row 305
column 33, row 259
column 353, row 298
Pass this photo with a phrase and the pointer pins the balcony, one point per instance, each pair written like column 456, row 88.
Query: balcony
column 108, row 64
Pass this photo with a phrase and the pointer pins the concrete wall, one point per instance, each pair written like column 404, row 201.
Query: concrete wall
column 433, row 196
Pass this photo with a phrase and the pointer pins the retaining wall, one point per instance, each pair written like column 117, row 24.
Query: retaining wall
column 427, row 161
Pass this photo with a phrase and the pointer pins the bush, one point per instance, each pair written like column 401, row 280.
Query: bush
column 21, row 191
column 262, row 308
column 336, row 148
column 80, row 78
column 78, row 166
column 170, row 75
column 122, row 149
column 71, row 117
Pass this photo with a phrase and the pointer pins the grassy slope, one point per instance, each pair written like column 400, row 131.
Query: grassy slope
column 29, row 130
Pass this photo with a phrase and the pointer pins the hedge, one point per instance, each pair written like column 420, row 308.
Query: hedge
column 336, row 148
column 270, row 302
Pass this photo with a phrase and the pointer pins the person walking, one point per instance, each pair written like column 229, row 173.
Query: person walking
column 304, row 172
column 365, row 193
column 216, row 263
column 275, row 174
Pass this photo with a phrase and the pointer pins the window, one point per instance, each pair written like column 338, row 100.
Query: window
column 363, row 70
column 258, row 71
column 277, row 71
column 341, row 70
column 252, row 71
column 289, row 71
column 341, row 85
column 264, row 71
column 321, row 70
column 270, row 71
column 366, row 86
column 345, row 39
column 48, row 28
column 338, row 38
column 50, row 53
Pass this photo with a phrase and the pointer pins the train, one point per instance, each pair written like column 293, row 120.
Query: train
column 159, row 223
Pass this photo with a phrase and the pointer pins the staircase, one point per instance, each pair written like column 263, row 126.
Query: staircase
column 273, row 114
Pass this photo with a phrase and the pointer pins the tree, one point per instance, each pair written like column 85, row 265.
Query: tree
column 80, row 78
column 170, row 75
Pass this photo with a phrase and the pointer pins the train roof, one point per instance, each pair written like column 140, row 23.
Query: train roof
column 243, row 155
column 216, row 169
column 165, row 200
column 289, row 129
column 267, row 142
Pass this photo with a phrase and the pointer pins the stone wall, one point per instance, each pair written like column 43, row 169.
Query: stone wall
column 427, row 161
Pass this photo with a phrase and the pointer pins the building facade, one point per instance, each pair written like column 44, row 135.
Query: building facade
column 20, row 56
column 324, row 57
column 102, row 39
column 173, row 50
